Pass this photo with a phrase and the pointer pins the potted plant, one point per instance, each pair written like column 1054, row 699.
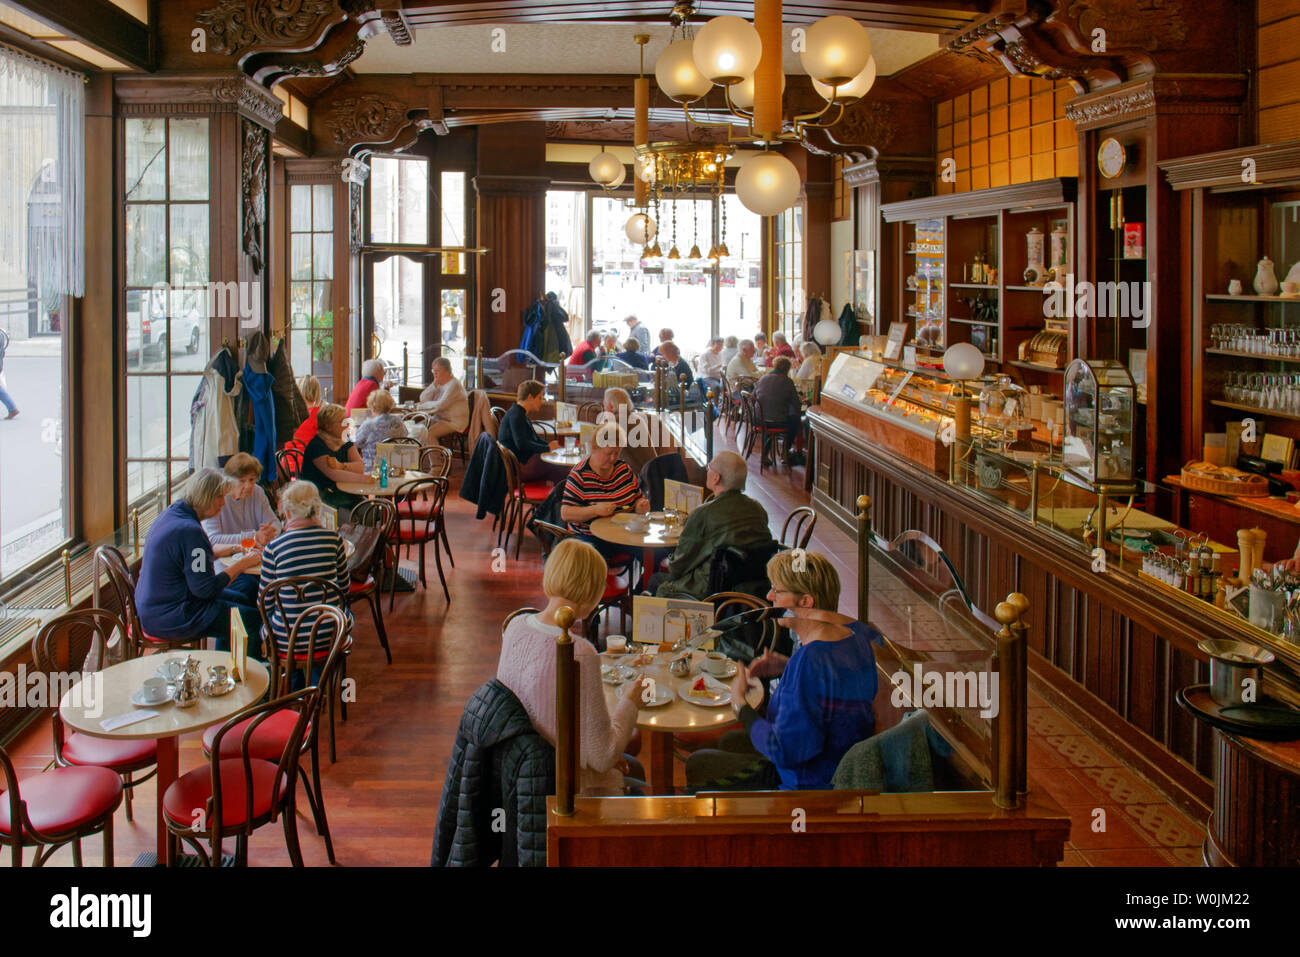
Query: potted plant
column 322, row 346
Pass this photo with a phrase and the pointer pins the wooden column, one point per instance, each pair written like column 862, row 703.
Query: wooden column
column 511, row 215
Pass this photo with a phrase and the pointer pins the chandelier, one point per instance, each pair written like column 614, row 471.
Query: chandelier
column 745, row 60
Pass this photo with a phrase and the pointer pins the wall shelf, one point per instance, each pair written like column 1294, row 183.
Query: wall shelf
column 1223, row 297
column 1267, row 413
column 1251, row 355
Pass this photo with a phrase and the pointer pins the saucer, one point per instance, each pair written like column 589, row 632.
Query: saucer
column 138, row 698
column 215, row 690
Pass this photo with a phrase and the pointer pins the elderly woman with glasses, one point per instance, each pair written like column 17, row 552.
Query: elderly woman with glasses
column 180, row 594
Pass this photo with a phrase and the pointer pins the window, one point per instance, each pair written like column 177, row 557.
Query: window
column 311, row 269
column 167, row 272
column 788, row 271
column 740, row 277
column 42, row 117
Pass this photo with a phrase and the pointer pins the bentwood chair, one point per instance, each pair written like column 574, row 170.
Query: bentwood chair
column 288, row 466
column 278, row 600
column 55, row 651
column 114, row 566
column 767, row 437
column 420, row 530
column 515, row 614
column 804, row 520
column 53, row 808
column 234, row 796
column 589, row 411
column 310, row 634
column 381, row 514
column 522, row 499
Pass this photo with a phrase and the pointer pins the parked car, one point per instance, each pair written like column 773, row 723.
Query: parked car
column 147, row 332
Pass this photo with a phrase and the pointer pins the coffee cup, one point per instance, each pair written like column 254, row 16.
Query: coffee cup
column 154, row 689
column 715, row 663
column 218, row 675
column 616, row 644
column 1290, row 288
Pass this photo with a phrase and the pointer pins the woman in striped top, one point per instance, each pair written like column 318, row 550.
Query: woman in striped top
column 600, row 485
column 303, row 548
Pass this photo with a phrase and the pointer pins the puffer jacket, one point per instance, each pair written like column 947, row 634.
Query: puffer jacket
column 499, row 763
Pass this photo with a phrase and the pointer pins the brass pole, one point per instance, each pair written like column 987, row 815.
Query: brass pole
column 768, row 118
column 67, row 578
column 864, row 556
column 135, row 530
column 1103, row 500
column 1033, row 494
column 641, row 122
column 961, row 413
column 659, row 385
column 1020, row 630
column 708, row 423
column 566, row 716
column 681, row 406
column 478, row 368
column 406, row 363
column 1004, row 725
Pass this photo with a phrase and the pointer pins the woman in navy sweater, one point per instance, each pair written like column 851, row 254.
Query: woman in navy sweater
column 180, row 593
column 516, row 433
column 822, row 703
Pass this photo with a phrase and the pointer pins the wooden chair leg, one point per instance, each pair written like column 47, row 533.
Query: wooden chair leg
column 437, row 557
column 126, row 784
column 108, row 841
column 442, row 530
column 377, row 611
column 76, row 852
column 322, row 822
column 290, row 815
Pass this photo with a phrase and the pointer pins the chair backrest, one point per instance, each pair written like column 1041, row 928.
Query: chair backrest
column 288, row 599
column 804, row 520
column 320, row 631
column 669, row 466
column 511, row 464
column 380, row 513
column 419, row 417
column 588, row 411
column 498, row 413
column 114, row 567
column 404, row 440
column 436, row 460
column 17, row 810
column 421, row 490
column 77, row 641
column 546, row 430
column 288, row 463
column 750, row 637
column 515, row 614
column 551, row 535
column 737, row 568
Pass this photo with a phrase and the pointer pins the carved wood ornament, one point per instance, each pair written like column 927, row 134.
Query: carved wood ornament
column 236, row 26
column 253, row 184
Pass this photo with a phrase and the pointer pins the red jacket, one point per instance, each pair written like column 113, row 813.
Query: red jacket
column 360, row 392
column 307, row 431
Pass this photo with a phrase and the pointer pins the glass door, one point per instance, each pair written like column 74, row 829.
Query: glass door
column 395, row 312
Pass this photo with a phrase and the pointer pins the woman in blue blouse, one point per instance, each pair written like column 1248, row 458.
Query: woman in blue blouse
column 820, row 706
column 180, row 593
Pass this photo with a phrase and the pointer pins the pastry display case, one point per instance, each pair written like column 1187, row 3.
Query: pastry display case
column 1099, row 402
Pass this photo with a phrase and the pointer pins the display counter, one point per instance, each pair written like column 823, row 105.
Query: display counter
column 1012, row 516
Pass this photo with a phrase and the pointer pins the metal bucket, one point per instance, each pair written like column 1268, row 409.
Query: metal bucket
column 1231, row 664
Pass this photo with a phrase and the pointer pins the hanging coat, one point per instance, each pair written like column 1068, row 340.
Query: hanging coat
column 257, row 385
column 290, row 408
column 811, row 316
column 848, row 326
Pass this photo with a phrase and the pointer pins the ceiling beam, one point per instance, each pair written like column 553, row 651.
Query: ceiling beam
column 100, row 24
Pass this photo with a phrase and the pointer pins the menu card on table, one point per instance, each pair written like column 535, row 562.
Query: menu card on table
column 399, row 454
column 652, row 623
column 238, row 646
column 329, row 518
column 682, row 496
column 566, row 412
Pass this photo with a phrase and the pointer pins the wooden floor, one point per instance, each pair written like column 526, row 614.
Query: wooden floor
column 382, row 796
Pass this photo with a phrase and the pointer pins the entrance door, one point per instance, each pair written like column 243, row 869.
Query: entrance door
column 395, row 312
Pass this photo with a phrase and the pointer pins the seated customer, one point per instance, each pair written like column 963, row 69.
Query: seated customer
column 665, row 335
column 310, row 388
column 633, row 355
column 780, row 347
column 383, row 425
column 574, row 576
column 304, row 548
column 812, row 354
column 762, row 354
column 730, row 346
column 711, row 365
column 446, row 400
column 600, row 485
column 779, row 399
column 742, row 363
column 247, row 514
column 642, row 433
column 729, row 518
column 372, row 378
column 820, row 708
column 677, row 366
column 585, row 351
column 329, row 460
column 180, row 593
column 516, row 433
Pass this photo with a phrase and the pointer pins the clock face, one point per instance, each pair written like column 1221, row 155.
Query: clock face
column 1111, row 158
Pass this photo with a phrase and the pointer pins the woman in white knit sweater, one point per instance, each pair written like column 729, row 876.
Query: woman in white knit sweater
column 574, row 576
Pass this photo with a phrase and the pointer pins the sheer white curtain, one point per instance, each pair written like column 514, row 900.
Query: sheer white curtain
column 578, row 265
column 42, row 176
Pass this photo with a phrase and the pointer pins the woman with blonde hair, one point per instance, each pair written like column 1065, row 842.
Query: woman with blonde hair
column 311, row 394
column 574, row 577
column 329, row 460
column 382, row 426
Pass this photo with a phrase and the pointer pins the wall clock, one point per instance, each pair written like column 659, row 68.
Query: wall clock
column 1112, row 157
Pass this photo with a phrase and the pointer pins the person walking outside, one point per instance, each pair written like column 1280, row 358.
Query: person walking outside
column 5, row 397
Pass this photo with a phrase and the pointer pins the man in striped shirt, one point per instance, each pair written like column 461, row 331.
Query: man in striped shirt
column 601, row 485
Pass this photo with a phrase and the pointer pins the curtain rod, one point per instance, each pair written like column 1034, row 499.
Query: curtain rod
column 40, row 61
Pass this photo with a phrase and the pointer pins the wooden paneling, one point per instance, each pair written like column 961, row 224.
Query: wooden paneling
column 1278, row 84
column 1011, row 131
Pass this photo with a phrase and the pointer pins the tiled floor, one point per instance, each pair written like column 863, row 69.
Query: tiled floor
column 382, row 796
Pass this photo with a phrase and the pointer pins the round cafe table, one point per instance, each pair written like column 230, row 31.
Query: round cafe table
column 658, row 725
column 222, row 563
column 613, row 529
column 124, row 679
column 370, row 487
column 566, row 458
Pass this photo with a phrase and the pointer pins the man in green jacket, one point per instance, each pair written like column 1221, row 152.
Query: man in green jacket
column 729, row 518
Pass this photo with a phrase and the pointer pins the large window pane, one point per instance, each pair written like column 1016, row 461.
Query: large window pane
column 322, row 218
column 300, row 199
column 453, row 209
column 189, row 244
column 183, row 389
column 322, row 259
column 188, row 149
column 399, row 200
column 300, row 256
column 146, row 159
column 146, row 417
column 146, row 244
column 740, row 278
column 187, row 331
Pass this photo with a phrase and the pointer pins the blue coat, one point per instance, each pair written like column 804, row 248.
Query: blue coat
column 178, row 588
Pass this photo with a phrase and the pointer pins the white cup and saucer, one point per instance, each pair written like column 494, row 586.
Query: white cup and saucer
column 154, row 691
column 719, row 665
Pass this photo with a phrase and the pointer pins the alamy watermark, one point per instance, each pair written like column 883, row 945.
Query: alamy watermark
column 1084, row 300
column 950, row 689
column 40, row 689
column 224, row 300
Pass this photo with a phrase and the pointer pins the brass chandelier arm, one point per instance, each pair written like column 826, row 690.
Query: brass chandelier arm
column 807, row 119
column 686, row 108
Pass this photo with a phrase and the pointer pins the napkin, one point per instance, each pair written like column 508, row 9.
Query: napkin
column 131, row 717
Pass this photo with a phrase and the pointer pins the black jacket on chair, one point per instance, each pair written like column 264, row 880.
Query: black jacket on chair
column 498, row 762
column 485, row 477
column 666, row 466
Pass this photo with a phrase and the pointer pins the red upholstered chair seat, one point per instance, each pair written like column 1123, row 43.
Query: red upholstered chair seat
column 420, row 508
column 82, row 749
column 359, row 588
column 191, row 791
column 65, row 799
column 535, row 491
column 267, row 743
column 416, row 532
column 615, row 585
